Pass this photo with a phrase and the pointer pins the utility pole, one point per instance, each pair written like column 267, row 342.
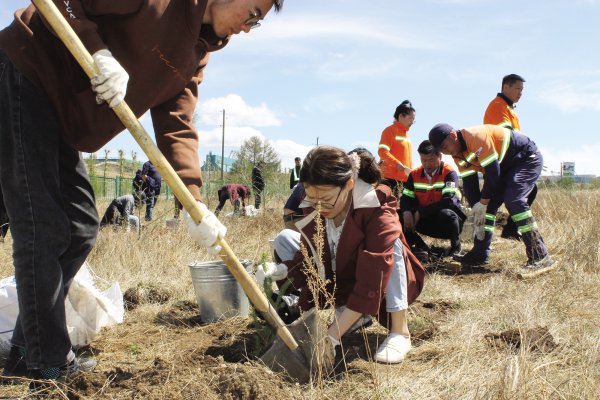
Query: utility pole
column 317, row 141
column 223, row 148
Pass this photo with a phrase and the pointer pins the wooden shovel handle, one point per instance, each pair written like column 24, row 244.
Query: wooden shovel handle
column 64, row 31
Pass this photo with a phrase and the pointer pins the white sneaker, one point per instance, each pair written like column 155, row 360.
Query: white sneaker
column 393, row 349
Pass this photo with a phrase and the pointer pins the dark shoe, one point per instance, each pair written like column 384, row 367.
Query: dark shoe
column 534, row 268
column 471, row 260
column 512, row 235
column 421, row 255
column 14, row 366
column 59, row 374
column 455, row 251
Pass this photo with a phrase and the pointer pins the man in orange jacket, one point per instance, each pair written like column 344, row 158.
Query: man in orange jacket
column 511, row 164
column 501, row 112
column 395, row 149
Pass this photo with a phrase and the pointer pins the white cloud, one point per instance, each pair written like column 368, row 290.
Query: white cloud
column 297, row 33
column 585, row 158
column 237, row 113
column 288, row 150
column 569, row 97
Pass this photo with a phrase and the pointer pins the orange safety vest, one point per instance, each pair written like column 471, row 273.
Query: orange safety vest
column 426, row 192
column 500, row 113
column 395, row 146
column 485, row 144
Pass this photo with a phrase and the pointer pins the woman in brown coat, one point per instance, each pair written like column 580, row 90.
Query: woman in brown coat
column 364, row 262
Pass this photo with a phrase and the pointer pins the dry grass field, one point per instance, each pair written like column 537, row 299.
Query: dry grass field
column 482, row 335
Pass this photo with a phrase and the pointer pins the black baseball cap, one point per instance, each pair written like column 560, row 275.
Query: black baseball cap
column 438, row 133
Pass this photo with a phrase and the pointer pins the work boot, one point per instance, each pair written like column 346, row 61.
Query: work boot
column 534, row 268
column 14, row 366
column 455, row 250
column 41, row 377
column 511, row 235
column 471, row 259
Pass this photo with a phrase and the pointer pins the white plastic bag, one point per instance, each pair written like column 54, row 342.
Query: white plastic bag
column 88, row 310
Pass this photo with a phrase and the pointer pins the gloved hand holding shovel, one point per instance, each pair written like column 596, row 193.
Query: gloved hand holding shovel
column 208, row 231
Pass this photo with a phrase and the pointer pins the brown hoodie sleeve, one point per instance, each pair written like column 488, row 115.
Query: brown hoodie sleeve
column 76, row 12
column 177, row 138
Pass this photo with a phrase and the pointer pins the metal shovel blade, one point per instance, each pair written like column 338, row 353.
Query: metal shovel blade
column 314, row 354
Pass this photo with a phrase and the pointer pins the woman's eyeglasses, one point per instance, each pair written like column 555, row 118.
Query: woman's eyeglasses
column 323, row 204
column 254, row 18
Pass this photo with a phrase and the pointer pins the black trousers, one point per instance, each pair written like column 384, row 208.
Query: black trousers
column 445, row 224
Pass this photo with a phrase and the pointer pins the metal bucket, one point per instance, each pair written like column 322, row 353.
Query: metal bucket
column 217, row 292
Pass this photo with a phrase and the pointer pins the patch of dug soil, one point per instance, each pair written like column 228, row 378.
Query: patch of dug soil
column 144, row 294
column 181, row 314
column 538, row 339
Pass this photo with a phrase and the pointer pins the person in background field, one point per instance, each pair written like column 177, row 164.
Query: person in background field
column 234, row 193
column 366, row 261
column 295, row 173
column 142, row 56
column 120, row 211
column 138, row 183
column 258, row 183
column 152, row 182
column 395, row 148
column 501, row 112
column 3, row 219
column 511, row 164
column 430, row 203
column 291, row 210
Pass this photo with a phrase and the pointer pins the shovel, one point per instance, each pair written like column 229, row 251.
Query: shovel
column 64, row 31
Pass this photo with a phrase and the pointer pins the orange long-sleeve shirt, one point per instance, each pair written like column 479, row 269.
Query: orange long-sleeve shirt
column 500, row 112
column 394, row 147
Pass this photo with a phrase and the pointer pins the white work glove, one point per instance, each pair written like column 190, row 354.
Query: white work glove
column 479, row 232
column 110, row 84
column 479, row 214
column 207, row 231
column 271, row 270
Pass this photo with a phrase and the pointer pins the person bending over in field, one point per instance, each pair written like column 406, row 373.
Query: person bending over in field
column 365, row 258
column 511, row 164
column 234, row 193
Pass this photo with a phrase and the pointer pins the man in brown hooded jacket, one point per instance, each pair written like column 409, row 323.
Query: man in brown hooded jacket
column 150, row 53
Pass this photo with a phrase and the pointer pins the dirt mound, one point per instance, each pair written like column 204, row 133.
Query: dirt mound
column 144, row 294
column 538, row 339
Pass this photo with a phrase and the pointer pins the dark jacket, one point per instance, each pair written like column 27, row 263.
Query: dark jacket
column 118, row 210
column 364, row 257
column 258, row 183
column 150, row 170
column 161, row 43
column 295, row 176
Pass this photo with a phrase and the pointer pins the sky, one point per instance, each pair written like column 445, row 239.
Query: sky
column 333, row 71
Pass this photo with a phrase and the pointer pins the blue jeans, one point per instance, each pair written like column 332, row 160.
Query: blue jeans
column 53, row 218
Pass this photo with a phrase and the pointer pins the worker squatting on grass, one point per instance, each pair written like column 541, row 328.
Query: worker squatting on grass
column 51, row 111
column 365, row 263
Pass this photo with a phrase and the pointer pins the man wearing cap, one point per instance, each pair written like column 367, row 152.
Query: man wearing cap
column 511, row 164
column 501, row 112
column 395, row 149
